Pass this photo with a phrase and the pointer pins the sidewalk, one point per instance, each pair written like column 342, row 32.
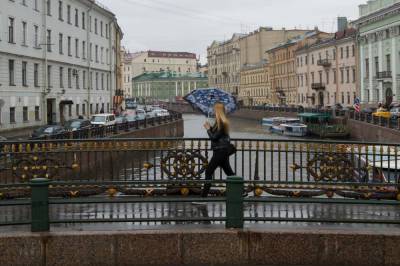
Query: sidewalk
column 19, row 133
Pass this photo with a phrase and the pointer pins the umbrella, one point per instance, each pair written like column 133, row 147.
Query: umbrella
column 205, row 99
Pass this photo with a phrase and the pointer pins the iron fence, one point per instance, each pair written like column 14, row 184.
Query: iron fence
column 392, row 122
column 86, row 176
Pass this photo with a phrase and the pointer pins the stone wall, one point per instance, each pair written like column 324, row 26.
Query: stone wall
column 203, row 247
column 259, row 114
column 363, row 131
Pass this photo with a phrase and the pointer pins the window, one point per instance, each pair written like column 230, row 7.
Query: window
column 76, row 17
column 83, row 49
column 334, row 54
column 12, row 114
column 101, row 28
column 347, row 52
column 70, row 110
column 49, row 76
column 97, row 53
column 91, row 108
column 60, row 10
column 327, row 77
column 347, row 75
column 95, row 25
column 354, row 75
column 36, row 36
column 76, row 48
column 387, row 33
column 77, row 110
column 341, row 52
column 108, row 107
column 77, row 78
column 90, row 23
column 341, row 75
column 83, row 21
column 83, row 109
column 48, row 40
column 25, row 113
column 35, row 5
column 353, row 51
column 24, row 65
column 376, row 65
column 61, row 77
column 68, row 14
column 102, row 81
column 97, row 108
column 102, row 55
column 11, row 73
column 97, row 80
column 36, row 75
column 69, row 46
column 48, row 4
column 23, row 33
column 348, row 97
column 60, row 43
column 312, row 59
column 367, row 68
column 388, row 63
column 11, row 30
column 37, row 113
column 69, row 78
column 107, row 83
column 91, row 52
column 342, row 97
column 106, row 31
column 84, row 79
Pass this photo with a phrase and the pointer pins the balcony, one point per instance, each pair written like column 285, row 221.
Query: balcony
column 324, row 63
column 384, row 75
column 318, row 86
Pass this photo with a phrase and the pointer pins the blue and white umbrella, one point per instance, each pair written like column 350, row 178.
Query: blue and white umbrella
column 205, row 99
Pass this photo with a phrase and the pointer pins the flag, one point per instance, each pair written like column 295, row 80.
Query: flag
column 356, row 105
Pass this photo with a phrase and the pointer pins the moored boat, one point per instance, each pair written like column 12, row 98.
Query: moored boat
column 294, row 129
column 274, row 121
column 321, row 124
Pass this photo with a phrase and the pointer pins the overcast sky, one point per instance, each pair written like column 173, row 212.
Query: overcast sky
column 191, row 25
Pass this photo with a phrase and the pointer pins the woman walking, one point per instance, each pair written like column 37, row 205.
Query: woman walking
column 220, row 145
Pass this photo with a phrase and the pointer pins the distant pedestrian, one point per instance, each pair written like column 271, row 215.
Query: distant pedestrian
column 220, row 144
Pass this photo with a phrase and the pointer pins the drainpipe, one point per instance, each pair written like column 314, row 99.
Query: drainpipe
column 89, row 60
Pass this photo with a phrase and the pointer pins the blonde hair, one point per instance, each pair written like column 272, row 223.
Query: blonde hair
column 220, row 117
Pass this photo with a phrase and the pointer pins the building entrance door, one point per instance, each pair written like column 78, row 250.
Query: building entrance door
column 389, row 96
column 50, row 111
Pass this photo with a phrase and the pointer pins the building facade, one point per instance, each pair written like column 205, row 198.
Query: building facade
column 254, row 85
column 136, row 64
column 224, row 64
column 166, row 86
column 282, row 63
column 327, row 71
column 379, row 56
column 57, row 61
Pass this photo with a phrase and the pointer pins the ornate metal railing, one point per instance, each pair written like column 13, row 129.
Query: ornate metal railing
column 127, row 171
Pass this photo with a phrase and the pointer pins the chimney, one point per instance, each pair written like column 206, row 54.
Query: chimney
column 342, row 23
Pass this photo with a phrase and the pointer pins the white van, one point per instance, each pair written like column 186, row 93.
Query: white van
column 103, row 120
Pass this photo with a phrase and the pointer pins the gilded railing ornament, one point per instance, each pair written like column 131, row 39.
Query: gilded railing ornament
column 330, row 167
column 183, row 165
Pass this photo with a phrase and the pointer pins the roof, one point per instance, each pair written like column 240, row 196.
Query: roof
column 169, row 75
column 294, row 40
column 171, row 54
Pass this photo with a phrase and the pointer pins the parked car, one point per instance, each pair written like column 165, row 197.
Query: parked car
column 140, row 114
column 395, row 113
column 161, row 112
column 368, row 110
column 77, row 124
column 46, row 131
column 103, row 120
column 382, row 113
column 121, row 119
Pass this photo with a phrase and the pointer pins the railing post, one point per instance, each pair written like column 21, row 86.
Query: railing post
column 234, row 202
column 40, row 205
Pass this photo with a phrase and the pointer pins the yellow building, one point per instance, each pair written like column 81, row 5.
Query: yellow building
column 254, row 84
column 282, row 64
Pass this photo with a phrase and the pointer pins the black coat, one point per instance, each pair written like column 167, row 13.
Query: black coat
column 219, row 139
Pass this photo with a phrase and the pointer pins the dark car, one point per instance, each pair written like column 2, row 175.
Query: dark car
column 46, row 131
column 77, row 124
column 368, row 110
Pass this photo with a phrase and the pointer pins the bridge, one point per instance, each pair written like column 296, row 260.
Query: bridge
column 147, row 183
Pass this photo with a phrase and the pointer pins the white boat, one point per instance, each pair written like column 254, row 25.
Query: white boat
column 274, row 121
column 294, row 129
column 277, row 129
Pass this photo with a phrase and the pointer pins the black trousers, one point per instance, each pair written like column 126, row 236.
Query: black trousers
column 220, row 158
